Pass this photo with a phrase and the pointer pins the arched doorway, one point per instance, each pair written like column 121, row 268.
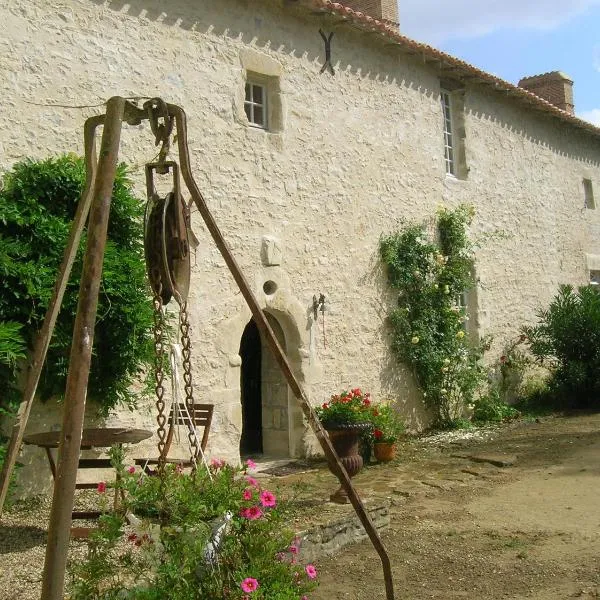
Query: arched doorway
column 264, row 395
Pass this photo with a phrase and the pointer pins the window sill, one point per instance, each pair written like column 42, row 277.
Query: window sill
column 454, row 179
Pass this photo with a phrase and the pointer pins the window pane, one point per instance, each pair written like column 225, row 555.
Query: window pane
column 259, row 116
column 248, row 92
column 248, row 109
column 257, row 94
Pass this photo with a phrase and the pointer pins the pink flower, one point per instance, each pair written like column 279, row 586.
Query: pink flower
column 101, row 487
column 250, row 464
column 293, row 549
column 249, row 585
column 304, row 598
column 252, row 513
column 310, row 571
column 252, row 481
column 131, row 470
column 217, row 463
column 268, row 498
column 247, row 494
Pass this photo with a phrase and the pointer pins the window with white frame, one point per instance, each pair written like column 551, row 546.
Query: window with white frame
column 588, row 194
column 255, row 104
column 594, row 277
column 449, row 149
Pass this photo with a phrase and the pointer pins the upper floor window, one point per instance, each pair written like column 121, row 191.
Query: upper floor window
column 452, row 98
column 448, row 133
column 588, row 194
column 255, row 104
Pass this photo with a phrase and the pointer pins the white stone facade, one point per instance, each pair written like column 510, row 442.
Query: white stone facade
column 303, row 206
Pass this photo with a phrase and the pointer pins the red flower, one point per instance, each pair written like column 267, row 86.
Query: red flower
column 101, row 487
column 378, row 434
column 325, row 405
column 503, row 359
column 366, row 402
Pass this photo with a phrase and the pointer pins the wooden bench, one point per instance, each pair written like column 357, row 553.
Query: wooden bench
column 200, row 417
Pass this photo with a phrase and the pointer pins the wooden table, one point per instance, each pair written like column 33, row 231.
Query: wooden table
column 100, row 437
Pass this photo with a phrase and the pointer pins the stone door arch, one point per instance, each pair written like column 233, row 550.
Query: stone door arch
column 271, row 418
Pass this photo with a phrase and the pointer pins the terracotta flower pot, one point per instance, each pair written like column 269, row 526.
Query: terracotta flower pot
column 345, row 440
column 384, row 451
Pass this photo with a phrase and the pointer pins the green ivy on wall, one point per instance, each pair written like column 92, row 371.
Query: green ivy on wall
column 37, row 205
column 428, row 324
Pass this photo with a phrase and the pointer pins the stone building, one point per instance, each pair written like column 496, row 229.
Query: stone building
column 305, row 164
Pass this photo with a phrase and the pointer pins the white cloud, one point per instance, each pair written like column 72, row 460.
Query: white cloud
column 592, row 116
column 434, row 21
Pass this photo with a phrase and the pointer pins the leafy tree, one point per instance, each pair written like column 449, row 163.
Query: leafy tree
column 37, row 205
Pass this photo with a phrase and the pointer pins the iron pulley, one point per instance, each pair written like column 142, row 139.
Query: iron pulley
column 166, row 244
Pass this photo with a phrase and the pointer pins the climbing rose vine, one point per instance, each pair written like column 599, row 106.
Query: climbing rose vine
column 428, row 323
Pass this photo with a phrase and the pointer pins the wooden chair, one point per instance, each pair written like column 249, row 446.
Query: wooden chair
column 201, row 417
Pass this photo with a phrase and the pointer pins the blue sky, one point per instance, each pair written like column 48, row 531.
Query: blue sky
column 516, row 38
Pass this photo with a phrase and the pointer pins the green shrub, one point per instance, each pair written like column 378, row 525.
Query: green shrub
column 428, row 325
column 213, row 535
column 37, row 205
column 491, row 408
column 12, row 349
column 567, row 338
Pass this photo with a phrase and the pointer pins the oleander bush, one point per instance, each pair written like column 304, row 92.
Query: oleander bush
column 210, row 535
column 567, row 340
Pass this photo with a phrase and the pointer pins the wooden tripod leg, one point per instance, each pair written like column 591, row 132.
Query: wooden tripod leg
column 45, row 334
column 69, row 446
column 264, row 327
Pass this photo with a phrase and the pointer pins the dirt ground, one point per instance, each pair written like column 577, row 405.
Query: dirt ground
column 530, row 530
column 460, row 528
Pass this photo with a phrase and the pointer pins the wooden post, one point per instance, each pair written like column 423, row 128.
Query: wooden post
column 81, row 352
column 45, row 334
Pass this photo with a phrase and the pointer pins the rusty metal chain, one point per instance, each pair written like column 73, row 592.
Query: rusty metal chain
column 159, row 377
column 186, row 347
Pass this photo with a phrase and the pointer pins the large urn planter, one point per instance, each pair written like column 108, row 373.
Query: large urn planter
column 345, row 439
column 384, row 451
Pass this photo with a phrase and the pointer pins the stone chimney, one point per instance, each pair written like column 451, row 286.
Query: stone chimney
column 383, row 10
column 556, row 87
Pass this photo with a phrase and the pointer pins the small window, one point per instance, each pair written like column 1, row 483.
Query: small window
column 594, row 277
column 255, row 104
column 588, row 194
column 448, row 133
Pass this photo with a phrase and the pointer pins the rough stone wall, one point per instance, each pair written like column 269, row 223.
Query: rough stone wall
column 355, row 155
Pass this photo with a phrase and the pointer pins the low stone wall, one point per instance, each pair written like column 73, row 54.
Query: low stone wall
column 326, row 539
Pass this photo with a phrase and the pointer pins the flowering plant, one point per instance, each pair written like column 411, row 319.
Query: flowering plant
column 214, row 534
column 347, row 408
column 387, row 425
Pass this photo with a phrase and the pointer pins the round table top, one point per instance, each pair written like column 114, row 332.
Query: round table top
column 100, row 437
